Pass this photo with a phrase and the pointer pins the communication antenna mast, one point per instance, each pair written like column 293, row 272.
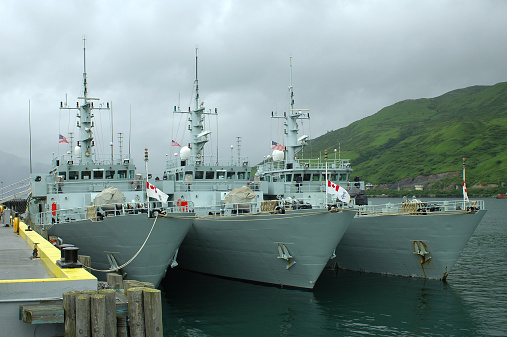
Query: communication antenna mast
column 238, row 141
column 120, row 142
column 71, row 137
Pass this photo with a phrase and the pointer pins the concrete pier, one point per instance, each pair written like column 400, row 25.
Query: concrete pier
column 29, row 275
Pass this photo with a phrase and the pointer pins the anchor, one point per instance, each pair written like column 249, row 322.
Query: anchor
column 283, row 253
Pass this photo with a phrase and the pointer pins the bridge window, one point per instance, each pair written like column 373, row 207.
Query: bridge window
column 109, row 174
column 63, row 175
column 122, row 174
column 86, row 175
column 307, row 177
column 315, row 177
column 210, row 175
column 99, row 174
column 199, row 174
column 73, row 175
column 241, row 175
column 230, row 175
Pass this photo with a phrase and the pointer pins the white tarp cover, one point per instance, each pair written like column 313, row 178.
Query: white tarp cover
column 242, row 196
column 110, row 195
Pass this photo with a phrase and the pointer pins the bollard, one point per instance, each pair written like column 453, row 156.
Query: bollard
column 69, row 258
column 62, row 246
column 16, row 224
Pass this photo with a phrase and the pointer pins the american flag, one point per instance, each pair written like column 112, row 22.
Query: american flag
column 175, row 143
column 62, row 139
column 276, row 146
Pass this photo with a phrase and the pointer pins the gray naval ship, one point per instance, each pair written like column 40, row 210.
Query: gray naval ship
column 237, row 234
column 101, row 206
column 411, row 238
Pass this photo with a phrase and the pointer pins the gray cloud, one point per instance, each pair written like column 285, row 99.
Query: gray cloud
column 350, row 59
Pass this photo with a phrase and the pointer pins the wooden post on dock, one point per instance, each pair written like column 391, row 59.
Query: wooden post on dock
column 136, row 312
column 110, row 306
column 153, row 312
column 82, row 316
column 114, row 280
column 69, row 308
column 98, row 315
column 85, row 260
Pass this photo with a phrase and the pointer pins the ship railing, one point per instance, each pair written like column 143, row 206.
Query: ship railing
column 416, row 207
column 85, row 186
column 270, row 165
column 314, row 186
column 18, row 190
column 208, row 160
column 97, row 213
column 229, row 209
column 97, row 160
column 214, row 185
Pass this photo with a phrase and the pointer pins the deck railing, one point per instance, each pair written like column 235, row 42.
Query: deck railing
column 422, row 207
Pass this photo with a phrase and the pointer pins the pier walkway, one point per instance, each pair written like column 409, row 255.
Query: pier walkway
column 29, row 277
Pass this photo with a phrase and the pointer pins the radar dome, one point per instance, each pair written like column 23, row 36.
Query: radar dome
column 185, row 153
column 277, row 155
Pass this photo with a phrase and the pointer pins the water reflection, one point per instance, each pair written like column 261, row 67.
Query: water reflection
column 342, row 303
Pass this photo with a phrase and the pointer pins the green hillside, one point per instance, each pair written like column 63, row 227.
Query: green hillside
column 429, row 136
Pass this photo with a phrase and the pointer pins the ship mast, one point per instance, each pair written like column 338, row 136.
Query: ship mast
column 85, row 123
column 198, row 137
column 292, row 129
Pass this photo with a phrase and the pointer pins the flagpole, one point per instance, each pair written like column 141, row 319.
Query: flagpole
column 146, row 164
column 30, row 131
column 325, row 189
column 465, row 196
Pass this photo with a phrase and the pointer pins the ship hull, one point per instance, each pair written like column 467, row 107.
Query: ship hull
column 425, row 246
column 123, row 237
column 249, row 247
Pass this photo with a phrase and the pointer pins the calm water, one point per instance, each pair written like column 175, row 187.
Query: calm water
column 473, row 302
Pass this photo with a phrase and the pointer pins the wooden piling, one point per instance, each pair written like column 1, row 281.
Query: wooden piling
column 69, row 308
column 153, row 312
column 98, row 315
column 114, row 280
column 110, row 306
column 85, row 260
column 105, row 312
column 82, row 316
column 136, row 312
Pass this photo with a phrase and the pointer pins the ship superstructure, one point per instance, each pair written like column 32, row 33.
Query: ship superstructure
column 410, row 238
column 237, row 233
column 100, row 205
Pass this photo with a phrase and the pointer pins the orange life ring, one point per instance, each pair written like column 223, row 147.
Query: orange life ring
column 178, row 202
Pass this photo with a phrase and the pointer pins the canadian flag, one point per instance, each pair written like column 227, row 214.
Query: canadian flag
column 155, row 193
column 338, row 191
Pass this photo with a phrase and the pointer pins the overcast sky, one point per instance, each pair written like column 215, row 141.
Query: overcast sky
column 350, row 59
